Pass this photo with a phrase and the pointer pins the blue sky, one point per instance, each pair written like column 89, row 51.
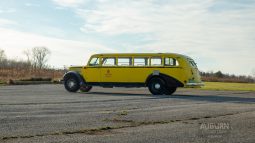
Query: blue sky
column 218, row 34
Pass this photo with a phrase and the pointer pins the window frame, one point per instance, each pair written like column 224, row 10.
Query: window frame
column 130, row 63
column 94, row 65
column 115, row 61
column 145, row 58
column 177, row 63
column 155, row 58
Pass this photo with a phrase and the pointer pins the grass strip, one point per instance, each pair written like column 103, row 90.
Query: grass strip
column 229, row 86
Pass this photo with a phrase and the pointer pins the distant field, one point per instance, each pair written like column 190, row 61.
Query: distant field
column 25, row 73
column 229, row 86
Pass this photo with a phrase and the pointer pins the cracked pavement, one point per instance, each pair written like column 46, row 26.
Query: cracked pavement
column 47, row 113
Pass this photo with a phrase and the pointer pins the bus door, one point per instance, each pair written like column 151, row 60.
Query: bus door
column 114, row 71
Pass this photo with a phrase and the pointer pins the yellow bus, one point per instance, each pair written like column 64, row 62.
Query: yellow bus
column 162, row 73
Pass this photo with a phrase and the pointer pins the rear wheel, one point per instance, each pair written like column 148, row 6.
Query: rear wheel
column 157, row 86
column 85, row 88
column 170, row 90
column 72, row 84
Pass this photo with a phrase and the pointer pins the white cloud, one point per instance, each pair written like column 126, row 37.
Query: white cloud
column 219, row 39
column 69, row 3
column 144, row 16
column 32, row 5
column 9, row 10
column 4, row 22
column 64, row 52
column 225, row 37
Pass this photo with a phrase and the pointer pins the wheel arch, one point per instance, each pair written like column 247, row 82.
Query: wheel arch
column 168, row 79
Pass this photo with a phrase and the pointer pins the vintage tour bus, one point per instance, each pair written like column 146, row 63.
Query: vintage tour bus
column 162, row 73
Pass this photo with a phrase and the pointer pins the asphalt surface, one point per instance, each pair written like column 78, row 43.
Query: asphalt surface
column 47, row 113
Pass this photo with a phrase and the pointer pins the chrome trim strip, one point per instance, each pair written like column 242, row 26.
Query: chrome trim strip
column 195, row 84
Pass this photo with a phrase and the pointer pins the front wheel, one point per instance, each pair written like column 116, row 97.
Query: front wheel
column 72, row 84
column 85, row 88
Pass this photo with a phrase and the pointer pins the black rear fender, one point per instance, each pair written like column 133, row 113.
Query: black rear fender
column 170, row 81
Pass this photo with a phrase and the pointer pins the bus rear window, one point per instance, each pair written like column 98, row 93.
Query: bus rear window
column 171, row 62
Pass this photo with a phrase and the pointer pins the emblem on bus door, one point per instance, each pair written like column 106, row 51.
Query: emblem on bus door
column 108, row 73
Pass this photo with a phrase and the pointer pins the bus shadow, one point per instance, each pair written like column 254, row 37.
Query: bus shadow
column 208, row 98
column 214, row 98
column 117, row 94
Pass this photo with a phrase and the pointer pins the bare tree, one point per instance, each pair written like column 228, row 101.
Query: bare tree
column 28, row 54
column 2, row 55
column 253, row 72
column 40, row 56
column 3, row 60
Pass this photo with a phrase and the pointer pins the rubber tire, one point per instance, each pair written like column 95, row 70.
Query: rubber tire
column 170, row 90
column 76, row 87
column 153, row 90
column 86, row 88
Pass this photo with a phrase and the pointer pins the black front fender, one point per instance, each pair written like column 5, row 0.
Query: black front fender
column 75, row 74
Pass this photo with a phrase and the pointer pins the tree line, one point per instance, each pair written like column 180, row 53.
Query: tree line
column 225, row 77
column 34, row 67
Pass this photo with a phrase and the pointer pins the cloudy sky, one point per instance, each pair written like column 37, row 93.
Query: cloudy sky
column 218, row 34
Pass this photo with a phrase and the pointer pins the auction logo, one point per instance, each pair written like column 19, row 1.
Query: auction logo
column 215, row 126
column 214, row 130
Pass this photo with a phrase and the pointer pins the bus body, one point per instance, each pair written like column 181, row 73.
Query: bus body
column 162, row 73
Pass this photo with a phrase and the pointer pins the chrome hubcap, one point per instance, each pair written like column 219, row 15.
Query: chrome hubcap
column 71, row 83
column 157, row 86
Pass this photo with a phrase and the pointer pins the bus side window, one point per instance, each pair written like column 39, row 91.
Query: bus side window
column 156, row 61
column 109, row 61
column 171, row 62
column 141, row 61
column 124, row 61
column 94, row 61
